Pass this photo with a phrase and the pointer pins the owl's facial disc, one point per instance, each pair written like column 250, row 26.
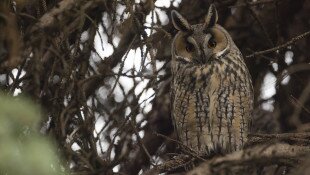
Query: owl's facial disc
column 198, row 43
column 200, row 47
column 187, row 48
column 215, row 43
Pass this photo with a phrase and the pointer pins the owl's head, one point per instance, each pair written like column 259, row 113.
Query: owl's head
column 198, row 43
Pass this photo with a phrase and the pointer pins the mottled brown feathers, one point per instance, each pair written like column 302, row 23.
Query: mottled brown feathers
column 212, row 94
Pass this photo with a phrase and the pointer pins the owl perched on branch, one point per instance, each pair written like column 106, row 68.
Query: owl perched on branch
column 212, row 94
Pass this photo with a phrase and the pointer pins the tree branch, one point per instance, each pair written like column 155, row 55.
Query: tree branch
column 282, row 46
column 265, row 154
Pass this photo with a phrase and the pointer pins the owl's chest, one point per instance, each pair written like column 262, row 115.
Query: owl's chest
column 210, row 106
column 199, row 79
column 194, row 94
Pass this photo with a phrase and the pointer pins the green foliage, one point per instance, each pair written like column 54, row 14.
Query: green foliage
column 22, row 149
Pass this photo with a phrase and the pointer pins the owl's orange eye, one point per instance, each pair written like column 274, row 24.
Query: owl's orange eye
column 189, row 47
column 211, row 43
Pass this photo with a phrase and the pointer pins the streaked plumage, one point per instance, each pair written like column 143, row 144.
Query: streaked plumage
column 212, row 94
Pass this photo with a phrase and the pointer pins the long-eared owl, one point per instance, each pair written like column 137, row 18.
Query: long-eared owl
column 212, row 94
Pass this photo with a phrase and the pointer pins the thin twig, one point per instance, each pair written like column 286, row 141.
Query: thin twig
column 260, row 23
column 253, row 3
column 282, row 46
column 187, row 149
column 141, row 143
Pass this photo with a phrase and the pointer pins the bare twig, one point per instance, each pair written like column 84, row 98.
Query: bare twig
column 280, row 47
column 254, row 3
column 300, row 103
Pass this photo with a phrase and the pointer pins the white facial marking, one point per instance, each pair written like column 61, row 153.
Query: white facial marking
column 183, row 58
column 221, row 52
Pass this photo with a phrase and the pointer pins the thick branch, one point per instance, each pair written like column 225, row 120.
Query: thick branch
column 262, row 154
column 292, row 138
column 269, row 149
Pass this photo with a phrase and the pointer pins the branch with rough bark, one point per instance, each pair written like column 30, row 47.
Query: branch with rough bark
column 285, row 149
column 264, row 155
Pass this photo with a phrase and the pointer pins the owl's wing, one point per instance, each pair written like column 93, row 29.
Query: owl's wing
column 172, row 98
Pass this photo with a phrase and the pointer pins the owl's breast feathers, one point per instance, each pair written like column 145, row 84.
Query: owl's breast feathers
column 212, row 104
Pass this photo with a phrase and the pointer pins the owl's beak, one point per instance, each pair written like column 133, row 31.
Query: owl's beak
column 207, row 54
column 202, row 56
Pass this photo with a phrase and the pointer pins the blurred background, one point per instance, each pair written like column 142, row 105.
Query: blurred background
column 99, row 71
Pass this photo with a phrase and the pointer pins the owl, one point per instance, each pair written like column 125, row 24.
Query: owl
column 211, row 91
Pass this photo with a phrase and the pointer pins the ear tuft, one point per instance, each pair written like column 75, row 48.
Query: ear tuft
column 179, row 22
column 212, row 16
